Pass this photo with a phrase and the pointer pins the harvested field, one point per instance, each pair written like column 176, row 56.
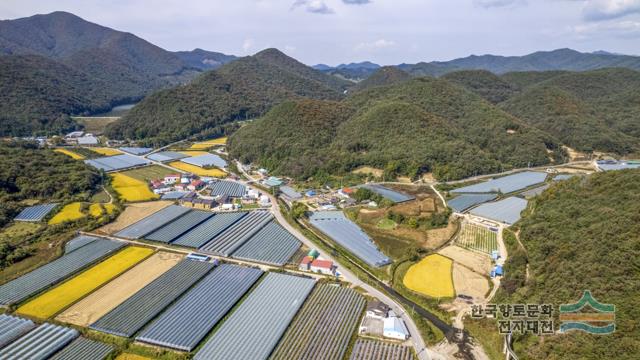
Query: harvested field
column 477, row 237
column 148, row 173
column 194, row 152
column 418, row 207
column 69, row 212
column 51, row 302
column 69, row 153
column 468, row 282
column 378, row 350
column 214, row 172
column 106, row 151
column 131, row 189
column 132, row 214
column 208, row 143
column 477, row 262
column 95, row 125
column 431, row 277
column 323, row 326
column 99, row 303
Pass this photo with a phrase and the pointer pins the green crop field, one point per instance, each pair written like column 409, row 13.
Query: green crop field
column 148, row 173
column 477, row 237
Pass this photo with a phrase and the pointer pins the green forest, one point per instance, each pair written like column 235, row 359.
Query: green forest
column 581, row 234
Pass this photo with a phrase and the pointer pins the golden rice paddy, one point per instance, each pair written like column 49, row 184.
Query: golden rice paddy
column 215, row 172
column 60, row 297
column 208, row 143
column 97, row 210
column 130, row 189
column 70, row 212
column 194, row 152
column 106, row 151
column 431, row 277
column 69, row 153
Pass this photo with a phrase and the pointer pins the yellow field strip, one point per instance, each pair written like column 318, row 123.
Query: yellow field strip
column 97, row 304
column 58, row 298
column 69, row 153
column 198, row 170
column 432, row 276
column 130, row 189
column 106, row 151
column 127, row 356
column 208, row 143
column 69, row 212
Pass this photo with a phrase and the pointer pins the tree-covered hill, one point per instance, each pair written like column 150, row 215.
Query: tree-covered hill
column 240, row 90
column 596, row 110
column 36, row 93
column 484, row 83
column 582, row 234
column 423, row 125
column 387, row 75
column 203, row 59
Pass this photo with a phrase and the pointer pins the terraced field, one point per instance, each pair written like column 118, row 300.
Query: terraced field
column 477, row 237
column 53, row 301
column 198, row 170
column 130, row 189
column 324, row 325
column 69, row 212
column 208, row 143
column 432, row 276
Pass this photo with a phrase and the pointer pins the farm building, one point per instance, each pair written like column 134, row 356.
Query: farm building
column 289, row 194
column 83, row 348
column 205, row 161
column 136, row 150
column 255, row 327
column 117, row 162
column 172, row 179
column 166, row 156
column 12, row 327
column 394, row 327
column 272, row 245
column 348, row 235
column 35, row 213
column 609, row 165
column 506, row 211
column 391, row 195
column 273, row 181
column 228, row 188
column 87, row 140
column 322, row 266
column 175, row 195
column 40, row 343
column 463, row 202
column 195, row 185
column 377, row 309
column 506, row 184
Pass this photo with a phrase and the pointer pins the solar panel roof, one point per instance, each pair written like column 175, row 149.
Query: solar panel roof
column 35, row 213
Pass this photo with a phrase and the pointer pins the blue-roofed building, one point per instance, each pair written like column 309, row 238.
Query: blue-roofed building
column 391, row 195
column 166, row 156
column 464, row 202
column 394, row 327
column 506, row 211
column 206, row 160
column 506, row 184
column 136, row 150
column 35, row 213
column 497, row 271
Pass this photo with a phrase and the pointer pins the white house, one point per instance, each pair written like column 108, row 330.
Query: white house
column 264, row 200
column 172, row 179
column 394, row 327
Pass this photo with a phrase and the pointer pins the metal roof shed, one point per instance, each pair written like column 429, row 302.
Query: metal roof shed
column 506, row 210
column 465, row 201
column 40, row 343
column 272, row 245
column 255, row 328
column 153, row 222
column 207, row 160
column 35, row 213
column 506, row 184
column 83, row 349
column 12, row 327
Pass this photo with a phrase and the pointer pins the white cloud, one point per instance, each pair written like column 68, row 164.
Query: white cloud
column 289, row 48
column 596, row 10
column 619, row 29
column 374, row 45
column 247, row 45
column 313, row 6
column 498, row 3
column 356, row 2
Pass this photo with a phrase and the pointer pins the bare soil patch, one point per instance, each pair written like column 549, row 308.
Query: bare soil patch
column 468, row 282
column 368, row 170
column 132, row 214
column 477, row 262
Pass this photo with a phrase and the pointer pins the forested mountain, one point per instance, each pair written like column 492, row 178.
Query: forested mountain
column 388, row 75
column 240, row 90
column 203, row 59
column 422, row 125
column 36, row 93
column 484, row 83
column 105, row 67
column 352, row 71
column 581, row 234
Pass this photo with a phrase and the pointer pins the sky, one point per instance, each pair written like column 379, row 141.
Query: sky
column 382, row 31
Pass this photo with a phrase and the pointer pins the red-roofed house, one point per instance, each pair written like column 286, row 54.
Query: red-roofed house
column 322, row 266
column 157, row 184
column 196, row 185
column 305, row 264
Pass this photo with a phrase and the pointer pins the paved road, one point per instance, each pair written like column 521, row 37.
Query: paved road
column 418, row 343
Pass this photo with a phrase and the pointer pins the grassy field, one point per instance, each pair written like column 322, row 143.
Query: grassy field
column 69, row 153
column 127, row 356
column 477, row 237
column 106, row 151
column 95, row 125
column 149, row 173
column 432, row 276
column 70, row 212
column 18, row 229
column 60, row 297
column 131, row 189
column 387, row 224
column 208, row 143
column 198, row 170
column 100, row 197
